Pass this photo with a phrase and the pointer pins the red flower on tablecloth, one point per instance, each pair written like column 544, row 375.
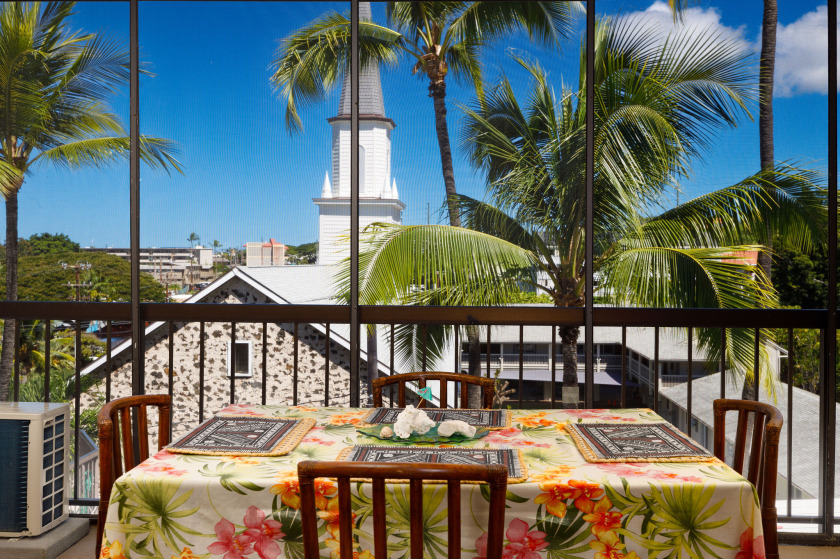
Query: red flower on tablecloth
column 555, row 497
column 751, row 548
column 186, row 553
column 588, row 492
column 551, row 474
column 264, row 533
column 523, row 544
column 233, row 545
column 602, row 519
column 330, row 515
column 608, row 546
column 113, row 551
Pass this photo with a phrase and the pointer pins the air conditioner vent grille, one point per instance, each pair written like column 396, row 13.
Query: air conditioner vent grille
column 14, row 435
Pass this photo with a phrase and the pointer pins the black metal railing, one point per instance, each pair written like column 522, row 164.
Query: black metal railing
column 256, row 322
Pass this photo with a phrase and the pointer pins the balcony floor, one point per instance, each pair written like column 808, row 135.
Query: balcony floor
column 84, row 550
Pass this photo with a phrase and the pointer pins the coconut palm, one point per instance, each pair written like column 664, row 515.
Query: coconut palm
column 440, row 39
column 658, row 104
column 53, row 112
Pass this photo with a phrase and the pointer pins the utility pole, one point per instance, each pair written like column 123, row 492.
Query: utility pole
column 77, row 267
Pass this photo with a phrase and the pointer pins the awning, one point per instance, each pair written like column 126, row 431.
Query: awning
column 603, row 378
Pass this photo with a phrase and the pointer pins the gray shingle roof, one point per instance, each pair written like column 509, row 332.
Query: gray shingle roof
column 806, row 423
column 370, row 85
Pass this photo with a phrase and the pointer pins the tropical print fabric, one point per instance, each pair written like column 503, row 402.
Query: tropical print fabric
column 191, row 506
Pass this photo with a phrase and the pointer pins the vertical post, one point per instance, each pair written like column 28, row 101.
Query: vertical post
column 17, row 362
column 690, row 378
column 47, row 360
column 137, row 354
column 355, row 387
column 830, row 379
column 589, row 331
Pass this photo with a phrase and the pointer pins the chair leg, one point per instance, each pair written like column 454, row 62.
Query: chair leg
column 100, row 526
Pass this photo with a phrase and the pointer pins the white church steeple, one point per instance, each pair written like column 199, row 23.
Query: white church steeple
column 377, row 202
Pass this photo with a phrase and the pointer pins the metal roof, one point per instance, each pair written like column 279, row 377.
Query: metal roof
column 370, row 85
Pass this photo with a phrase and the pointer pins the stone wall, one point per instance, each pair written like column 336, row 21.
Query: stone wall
column 187, row 382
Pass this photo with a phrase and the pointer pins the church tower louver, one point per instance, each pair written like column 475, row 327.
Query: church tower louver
column 378, row 196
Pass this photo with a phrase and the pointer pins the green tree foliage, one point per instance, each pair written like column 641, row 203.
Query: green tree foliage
column 41, row 278
column 306, row 253
column 46, row 243
column 801, row 278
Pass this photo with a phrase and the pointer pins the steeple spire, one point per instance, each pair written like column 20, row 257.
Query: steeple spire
column 370, row 85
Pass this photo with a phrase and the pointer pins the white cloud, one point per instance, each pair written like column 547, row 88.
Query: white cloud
column 801, row 46
column 659, row 17
column 802, row 55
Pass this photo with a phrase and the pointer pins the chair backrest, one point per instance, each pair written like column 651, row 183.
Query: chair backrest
column 487, row 386
column 495, row 475
column 761, row 469
column 116, row 422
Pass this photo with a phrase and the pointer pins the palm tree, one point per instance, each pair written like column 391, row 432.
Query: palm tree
column 658, row 105
column 441, row 39
column 53, row 112
column 192, row 239
column 216, row 246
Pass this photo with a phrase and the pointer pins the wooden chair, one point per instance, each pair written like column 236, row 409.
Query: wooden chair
column 763, row 459
column 116, row 442
column 494, row 475
column 487, row 385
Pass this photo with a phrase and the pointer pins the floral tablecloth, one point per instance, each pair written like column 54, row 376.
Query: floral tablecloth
column 190, row 506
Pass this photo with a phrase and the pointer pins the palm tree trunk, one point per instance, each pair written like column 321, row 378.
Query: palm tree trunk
column 765, row 107
column 7, row 357
column 568, row 339
column 474, row 348
column 437, row 91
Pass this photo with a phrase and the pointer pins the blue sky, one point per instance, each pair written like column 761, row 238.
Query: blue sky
column 246, row 179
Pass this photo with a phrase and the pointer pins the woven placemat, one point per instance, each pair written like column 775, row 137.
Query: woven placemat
column 508, row 457
column 243, row 435
column 490, row 419
column 635, row 442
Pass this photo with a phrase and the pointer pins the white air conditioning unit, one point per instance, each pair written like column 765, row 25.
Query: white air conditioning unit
column 34, row 444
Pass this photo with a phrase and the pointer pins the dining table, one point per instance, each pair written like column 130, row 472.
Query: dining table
column 190, row 506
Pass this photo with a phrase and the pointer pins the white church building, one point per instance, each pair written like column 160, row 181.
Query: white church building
column 379, row 199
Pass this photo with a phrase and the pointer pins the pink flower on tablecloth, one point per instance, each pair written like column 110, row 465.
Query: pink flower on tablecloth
column 502, row 436
column 232, row 545
column 621, row 469
column 523, row 544
column 264, row 532
column 153, row 468
column 315, row 440
column 751, row 548
column 481, row 546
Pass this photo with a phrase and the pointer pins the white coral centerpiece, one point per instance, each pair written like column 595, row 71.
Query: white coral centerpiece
column 412, row 420
column 451, row 426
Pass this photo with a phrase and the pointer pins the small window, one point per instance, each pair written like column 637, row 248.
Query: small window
column 243, row 359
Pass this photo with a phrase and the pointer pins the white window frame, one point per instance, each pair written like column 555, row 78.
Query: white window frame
column 250, row 373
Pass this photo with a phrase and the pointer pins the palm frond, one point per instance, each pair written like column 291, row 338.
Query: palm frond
column 431, row 264
column 312, row 60
column 100, row 152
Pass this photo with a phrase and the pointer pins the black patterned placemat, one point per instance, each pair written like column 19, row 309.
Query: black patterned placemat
column 509, row 457
column 635, row 442
column 491, row 419
column 254, row 436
